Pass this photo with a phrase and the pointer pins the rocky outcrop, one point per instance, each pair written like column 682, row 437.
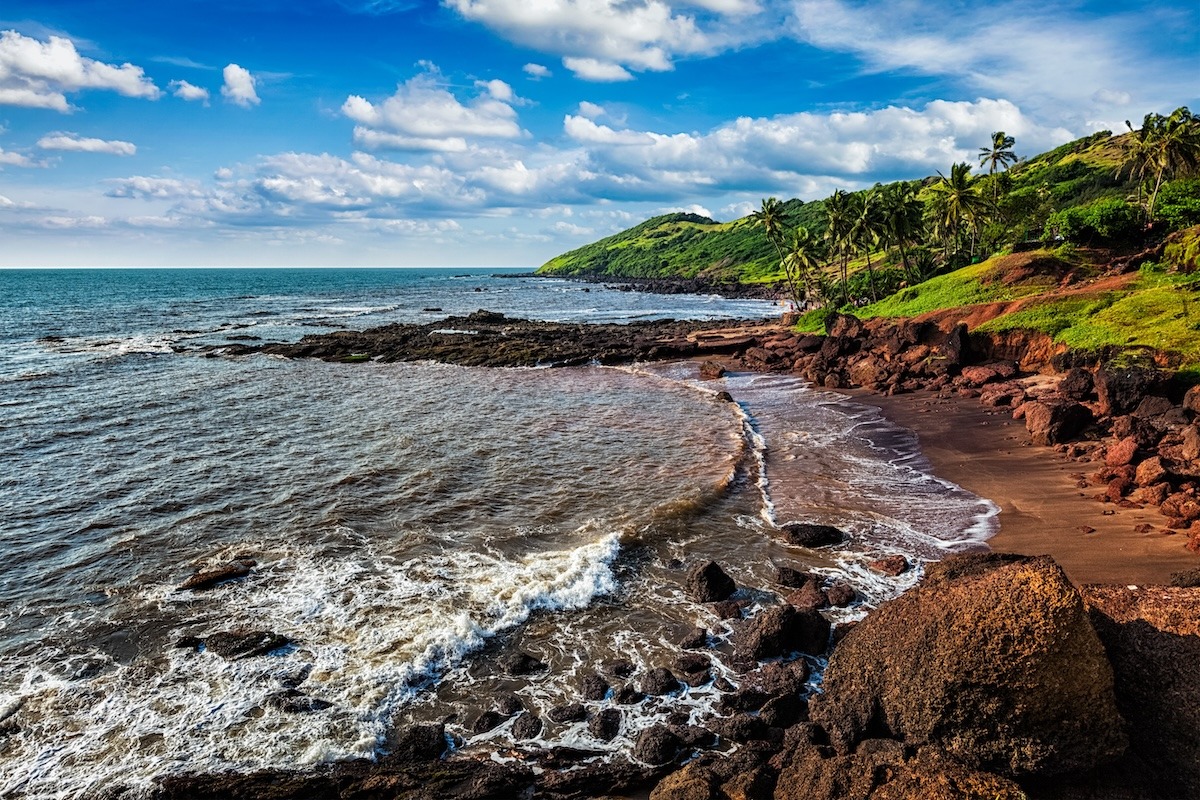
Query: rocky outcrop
column 992, row 660
column 708, row 583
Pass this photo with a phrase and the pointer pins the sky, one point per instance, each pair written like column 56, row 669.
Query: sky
column 504, row 132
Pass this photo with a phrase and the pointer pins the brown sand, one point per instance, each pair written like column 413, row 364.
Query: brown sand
column 1043, row 511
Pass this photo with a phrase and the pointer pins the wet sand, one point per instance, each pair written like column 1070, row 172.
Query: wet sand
column 1043, row 511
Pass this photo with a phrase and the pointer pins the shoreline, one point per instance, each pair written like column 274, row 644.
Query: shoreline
column 1042, row 510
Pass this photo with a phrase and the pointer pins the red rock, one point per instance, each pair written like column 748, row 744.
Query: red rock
column 979, row 375
column 1121, row 453
column 890, row 565
column 1051, row 423
column 711, row 370
column 808, row 597
column 1181, row 505
column 1150, row 472
column 1191, row 400
column 1152, row 495
column 1117, row 488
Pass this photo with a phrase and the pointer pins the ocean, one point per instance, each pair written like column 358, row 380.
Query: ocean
column 410, row 524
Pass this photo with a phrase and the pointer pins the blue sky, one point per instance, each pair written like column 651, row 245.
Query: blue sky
column 503, row 132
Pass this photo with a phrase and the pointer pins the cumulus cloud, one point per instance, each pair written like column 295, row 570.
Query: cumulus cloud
column 188, row 91
column 153, row 188
column 536, row 71
column 38, row 74
column 422, row 115
column 591, row 110
column 11, row 159
column 239, row 86
column 79, row 144
column 603, row 40
column 1072, row 65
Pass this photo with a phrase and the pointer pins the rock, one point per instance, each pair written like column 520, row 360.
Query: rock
column 890, row 565
column 293, row 701
column 594, row 688
column 780, row 630
column 526, row 726
column 487, row 721
column 1188, row 579
column 520, row 663
column 1181, row 505
column 567, row 713
column 606, row 724
column 991, row 658
column 659, row 681
column 695, row 639
column 778, row 677
column 694, row 667
column 238, row 644
column 740, row 728
column 708, row 583
column 207, row 579
column 1191, row 400
column 783, row 711
column 711, row 370
column 1190, row 448
column 1150, row 472
column 418, row 743
column 509, row 704
column 727, row 609
column 657, row 745
column 1052, row 423
column 847, row 326
column 1153, row 640
column 1121, row 452
column 808, row 597
column 979, row 375
column 787, row 576
column 806, row 534
column 688, row 783
column 627, row 696
column 620, row 668
column 841, row 594
column 1076, row 384
column 1119, row 391
column 724, row 397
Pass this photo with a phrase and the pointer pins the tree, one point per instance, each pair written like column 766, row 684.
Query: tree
column 866, row 229
column 802, row 265
column 1000, row 154
column 770, row 217
column 839, row 222
column 1164, row 147
column 902, row 225
column 955, row 206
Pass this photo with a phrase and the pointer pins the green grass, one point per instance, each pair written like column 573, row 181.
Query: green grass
column 964, row 287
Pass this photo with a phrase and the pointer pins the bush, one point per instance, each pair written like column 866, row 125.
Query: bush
column 1107, row 220
column 1179, row 203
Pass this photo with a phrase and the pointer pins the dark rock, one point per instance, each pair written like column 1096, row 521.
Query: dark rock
column 207, row 579
column 1052, row 423
column 519, row 663
column 740, row 728
column 618, row 669
column 1188, row 579
column 747, row 699
column 594, row 688
column 810, row 535
column 569, row 712
column 728, row 609
column 711, row 370
column 778, row 677
column 693, row 735
column 991, row 658
column 783, row 711
column 808, row 597
column 657, row 745
column 890, row 565
column 487, row 721
column 841, row 594
column 794, row 578
column 659, row 681
column 418, row 743
column 724, row 397
column 627, row 696
column 1076, row 384
column 239, row 644
column 780, row 630
column 526, row 726
column 693, row 664
column 606, row 724
column 708, row 583
column 696, row 639
column 509, row 704
column 1119, row 391
column 293, row 701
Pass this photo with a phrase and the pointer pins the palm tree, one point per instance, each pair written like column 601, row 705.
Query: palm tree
column 866, row 229
column 770, row 217
column 1000, row 154
column 1162, row 148
column 902, row 225
column 838, row 224
column 801, row 265
column 955, row 204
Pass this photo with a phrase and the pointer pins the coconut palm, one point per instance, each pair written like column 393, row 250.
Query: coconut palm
column 1000, row 154
column 838, row 224
column 1164, row 147
column 770, row 217
column 802, row 265
column 866, row 229
column 955, row 206
column 902, row 225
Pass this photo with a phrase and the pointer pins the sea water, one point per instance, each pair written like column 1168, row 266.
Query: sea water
column 411, row 523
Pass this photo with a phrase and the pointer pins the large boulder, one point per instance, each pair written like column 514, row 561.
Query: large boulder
column 808, row 534
column 708, row 583
column 1051, row 423
column 1120, row 391
column 991, row 659
column 780, row 630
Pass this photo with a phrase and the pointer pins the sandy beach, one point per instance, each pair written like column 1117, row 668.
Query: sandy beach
column 1043, row 509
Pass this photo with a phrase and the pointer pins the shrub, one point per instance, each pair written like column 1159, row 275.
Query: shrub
column 1179, row 203
column 1106, row 220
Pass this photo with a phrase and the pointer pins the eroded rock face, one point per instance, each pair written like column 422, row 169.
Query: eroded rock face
column 992, row 659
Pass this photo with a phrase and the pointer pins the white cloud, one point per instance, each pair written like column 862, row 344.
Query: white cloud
column 422, row 115
column 79, row 144
column 152, row 188
column 11, row 159
column 536, row 71
column 1064, row 63
column 605, row 39
column 585, row 130
column 592, row 69
column 188, row 91
column 38, row 74
column 591, row 110
column 239, row 86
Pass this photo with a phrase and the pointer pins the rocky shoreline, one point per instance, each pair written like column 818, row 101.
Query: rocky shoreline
column 994, row 678
column 729, row 289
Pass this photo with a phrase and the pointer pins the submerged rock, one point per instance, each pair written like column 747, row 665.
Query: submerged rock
column 992, row 659
column 807, row 534
column 238, row 644
column 207, row 579
column 520, row 663
column 708, row 583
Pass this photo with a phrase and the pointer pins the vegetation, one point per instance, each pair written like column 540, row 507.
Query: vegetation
column 962, row 241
